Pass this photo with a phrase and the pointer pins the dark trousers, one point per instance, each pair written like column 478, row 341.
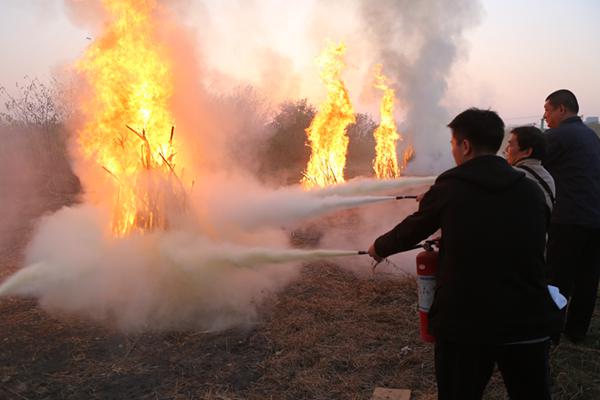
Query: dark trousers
column 573, row 257
column 463, row 370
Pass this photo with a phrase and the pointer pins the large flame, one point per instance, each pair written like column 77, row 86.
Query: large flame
column 128, row 128
column 386, row 135
column 327, row 132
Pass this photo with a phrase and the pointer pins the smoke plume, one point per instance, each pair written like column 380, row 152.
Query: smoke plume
column 156, row 281
column 418, row 43
column 229, row 248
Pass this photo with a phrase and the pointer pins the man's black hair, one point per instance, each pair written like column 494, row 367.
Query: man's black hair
column 484, row 129
column 530, row 137
column 564, row 97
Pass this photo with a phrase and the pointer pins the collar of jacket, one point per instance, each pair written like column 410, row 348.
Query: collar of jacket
column 528, row 161
column 570, row 120
column 490, row 172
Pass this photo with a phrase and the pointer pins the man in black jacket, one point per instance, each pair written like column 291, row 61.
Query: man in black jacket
column 573, row 159
column 491, row 303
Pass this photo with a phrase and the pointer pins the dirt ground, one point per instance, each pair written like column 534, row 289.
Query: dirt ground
column 328, row 335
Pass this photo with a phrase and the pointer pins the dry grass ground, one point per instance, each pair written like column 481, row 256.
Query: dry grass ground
column 328, row 335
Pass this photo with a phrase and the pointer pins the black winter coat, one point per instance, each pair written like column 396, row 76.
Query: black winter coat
column 490, row 281
column 573, row 160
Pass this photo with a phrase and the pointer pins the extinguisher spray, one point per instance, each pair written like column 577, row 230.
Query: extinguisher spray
column 426, row 268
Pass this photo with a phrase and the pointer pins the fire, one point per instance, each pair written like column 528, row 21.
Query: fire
column 386, row 135
column 327, row 131
column 128, row 129
column 409, row 154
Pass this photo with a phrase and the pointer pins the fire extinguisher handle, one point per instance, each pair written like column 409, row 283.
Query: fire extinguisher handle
column 430, row 244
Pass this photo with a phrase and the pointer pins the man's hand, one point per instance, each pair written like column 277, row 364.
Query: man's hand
column 373, row 254
column 420, row 196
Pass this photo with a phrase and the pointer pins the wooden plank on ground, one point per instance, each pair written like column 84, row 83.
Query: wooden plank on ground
column 390, row 394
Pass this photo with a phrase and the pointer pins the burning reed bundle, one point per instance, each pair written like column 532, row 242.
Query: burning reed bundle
column 145, row 189
column 386, row 135
column 327, row 132
column 157, row 189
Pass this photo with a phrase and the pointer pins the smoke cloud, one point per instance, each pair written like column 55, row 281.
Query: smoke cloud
column 418, row 43
column 34, row 178
column 156, row 281
column 260, row 207
column 272, row 47
column 185, row 277
column 230, row 250
column 18, row 182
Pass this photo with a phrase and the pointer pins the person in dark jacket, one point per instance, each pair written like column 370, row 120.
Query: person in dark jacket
column 573, row 159
column 491, row 304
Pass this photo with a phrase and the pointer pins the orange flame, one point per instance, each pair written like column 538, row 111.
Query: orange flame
column 327, row 131
column 386, row 135
column 130, row 87
column 409, row 154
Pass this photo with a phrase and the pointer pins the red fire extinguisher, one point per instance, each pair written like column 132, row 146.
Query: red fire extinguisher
column 426, row 267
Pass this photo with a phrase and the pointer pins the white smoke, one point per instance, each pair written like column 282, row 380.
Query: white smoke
column 418, row 43
column 155, row 281
column 363, row 186
column 19, row 180
column 216, row 264
column 34, row 177
column 245, row 204
column 181, row 278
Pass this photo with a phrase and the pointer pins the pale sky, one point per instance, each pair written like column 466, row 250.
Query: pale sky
column 518, row 53
column 523, row 50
